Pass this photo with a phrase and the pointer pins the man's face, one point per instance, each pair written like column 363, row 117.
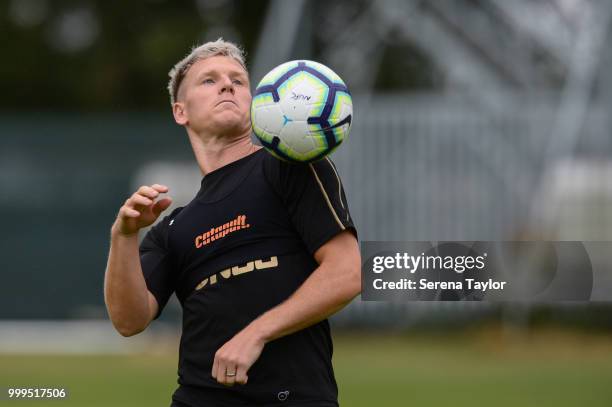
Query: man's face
column 216, row 98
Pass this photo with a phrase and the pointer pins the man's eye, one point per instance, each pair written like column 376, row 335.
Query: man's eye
column 209, row 80
column 237, row 81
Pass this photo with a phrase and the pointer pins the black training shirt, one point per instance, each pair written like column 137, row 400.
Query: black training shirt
column 243, row 245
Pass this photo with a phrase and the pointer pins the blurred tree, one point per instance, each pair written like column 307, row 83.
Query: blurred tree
column 100, row 55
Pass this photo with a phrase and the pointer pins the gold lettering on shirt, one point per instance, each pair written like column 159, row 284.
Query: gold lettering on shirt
column 238, row 270
column 260, row 264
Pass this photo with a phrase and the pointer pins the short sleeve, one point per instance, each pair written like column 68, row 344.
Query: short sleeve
column 314, row 197
column 156, row 262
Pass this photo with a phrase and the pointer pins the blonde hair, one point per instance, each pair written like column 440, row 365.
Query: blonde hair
column 210, row 49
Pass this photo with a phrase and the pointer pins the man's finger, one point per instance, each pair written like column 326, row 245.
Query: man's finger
column 137, row 199
column 230, row 375
column 221, row 373
column 159, row 188
column 215, row 367
column 147, row 191
column 127, row 212
column 241, row 376
column 161, row 205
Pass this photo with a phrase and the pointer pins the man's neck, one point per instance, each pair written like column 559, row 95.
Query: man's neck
column 215, row 152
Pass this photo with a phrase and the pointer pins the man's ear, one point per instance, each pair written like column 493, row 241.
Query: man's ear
column 180, row 116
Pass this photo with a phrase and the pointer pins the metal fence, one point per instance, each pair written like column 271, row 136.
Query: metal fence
column 414, row 168
column 429, row 168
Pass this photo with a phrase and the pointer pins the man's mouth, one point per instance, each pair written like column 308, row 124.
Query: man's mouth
column 226, row 101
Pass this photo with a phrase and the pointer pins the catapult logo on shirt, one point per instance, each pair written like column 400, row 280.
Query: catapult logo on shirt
column 220, row 232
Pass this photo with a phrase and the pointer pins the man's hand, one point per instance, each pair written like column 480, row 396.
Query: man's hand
column 330, row 287
column 141, row 210
column 235, row 358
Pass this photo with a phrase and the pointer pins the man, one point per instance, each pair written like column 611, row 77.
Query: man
column 262, row 255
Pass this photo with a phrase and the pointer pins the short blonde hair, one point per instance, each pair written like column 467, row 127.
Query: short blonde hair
column 210, row 49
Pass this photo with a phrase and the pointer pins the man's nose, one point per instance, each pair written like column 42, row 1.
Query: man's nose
column 227, row 86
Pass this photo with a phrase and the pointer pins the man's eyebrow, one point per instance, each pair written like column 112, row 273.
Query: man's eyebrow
column 216, row 72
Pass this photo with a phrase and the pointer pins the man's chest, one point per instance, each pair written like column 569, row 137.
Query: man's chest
column 248, row 225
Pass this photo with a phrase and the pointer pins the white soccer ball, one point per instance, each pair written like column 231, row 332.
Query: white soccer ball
column 301, row 111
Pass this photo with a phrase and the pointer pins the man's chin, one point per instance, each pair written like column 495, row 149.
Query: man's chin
column 230, row 127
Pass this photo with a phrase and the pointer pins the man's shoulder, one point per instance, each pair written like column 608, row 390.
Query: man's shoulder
column 175, row 212
column 164, row 224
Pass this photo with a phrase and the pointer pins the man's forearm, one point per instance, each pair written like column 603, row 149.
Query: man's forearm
column 328, row 289
column 125, row 290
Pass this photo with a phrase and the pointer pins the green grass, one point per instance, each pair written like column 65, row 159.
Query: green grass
column 548, row 369
column 551, row 370
column 92, row 381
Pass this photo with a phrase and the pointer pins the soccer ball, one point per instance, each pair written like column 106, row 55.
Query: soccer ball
column 301, row 111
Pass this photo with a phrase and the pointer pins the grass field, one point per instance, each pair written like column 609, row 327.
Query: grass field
column 547, row 369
